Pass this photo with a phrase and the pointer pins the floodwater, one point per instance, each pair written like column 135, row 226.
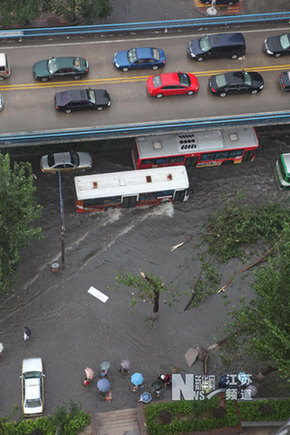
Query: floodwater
column 72, row 330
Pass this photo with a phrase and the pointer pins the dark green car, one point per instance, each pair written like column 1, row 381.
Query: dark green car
column 60, row 67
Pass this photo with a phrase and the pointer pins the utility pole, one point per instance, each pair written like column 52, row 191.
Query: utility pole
column 62, row 231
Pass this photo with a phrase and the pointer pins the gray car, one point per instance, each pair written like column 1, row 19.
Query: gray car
column 1, row 102
column 66, row 161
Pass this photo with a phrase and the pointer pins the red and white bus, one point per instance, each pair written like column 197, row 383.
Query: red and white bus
column 131, row 188
column 200, row 149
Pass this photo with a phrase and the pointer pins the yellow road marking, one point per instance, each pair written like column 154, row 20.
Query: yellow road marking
column 132, row 79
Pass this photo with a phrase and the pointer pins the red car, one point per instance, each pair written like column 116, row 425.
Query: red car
column 177, row 83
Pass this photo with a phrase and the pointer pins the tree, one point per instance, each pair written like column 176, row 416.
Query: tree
column 263, row 324
column 19, row 209
column 147, row 286
column 21, row 11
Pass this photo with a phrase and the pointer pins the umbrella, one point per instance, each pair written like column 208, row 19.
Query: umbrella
column 137, row 378
column 103, row 385
column 105, row 365
column 89, row 373
column 27, row 331
column 156, row 386
column 1, row 347
column 125, row 364
column 145, row 398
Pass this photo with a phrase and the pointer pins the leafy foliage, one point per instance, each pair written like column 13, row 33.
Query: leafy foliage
column 267, row 410
column 19, row 209
column 231, row 229
column 263, row 323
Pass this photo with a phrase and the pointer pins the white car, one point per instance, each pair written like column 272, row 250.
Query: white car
column 32, row 387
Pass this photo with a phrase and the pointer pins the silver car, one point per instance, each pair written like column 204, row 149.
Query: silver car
column 66, row 161
column 1, row 102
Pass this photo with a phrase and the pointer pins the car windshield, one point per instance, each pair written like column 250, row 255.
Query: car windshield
column 157, row 81
column 33, row 403
column 184, row 79
column 77, row 62
column 247, row 78
column 221, row 80
column 52, row 65
column 91, row 95
column 132, row 55
column 74, row 158
column 50, row 160
column 29, row 375
column 156, row 53
column 284, row 41
column 204, row 43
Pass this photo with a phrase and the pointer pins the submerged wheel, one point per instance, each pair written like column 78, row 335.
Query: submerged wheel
column 159, row 95
column 223, row 94
column 77, row 77
column 254, row 91
column 125, row 69
column 277, row 55
column 44, row 79
column 190, row 93
column 155, row 67
column 99, row 108
column 200, row 59
column 68, row 111
column 234, row 56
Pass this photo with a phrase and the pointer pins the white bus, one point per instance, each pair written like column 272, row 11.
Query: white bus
column 131, row 188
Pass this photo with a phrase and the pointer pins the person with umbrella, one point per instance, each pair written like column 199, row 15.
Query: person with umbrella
column 145, row 398
column 105, row 365
column 125, row 366
column 104, row 387
column 89, row 376
column 26, row 333
column 137, row 380
column 157, row 387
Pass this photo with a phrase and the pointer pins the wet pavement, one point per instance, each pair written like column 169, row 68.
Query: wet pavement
column 72, row 330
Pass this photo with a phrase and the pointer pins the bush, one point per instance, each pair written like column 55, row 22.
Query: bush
column 268, row 410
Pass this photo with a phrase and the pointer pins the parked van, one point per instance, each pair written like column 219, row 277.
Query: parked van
column 231, row 45
column 282, row 171
column 4, row 67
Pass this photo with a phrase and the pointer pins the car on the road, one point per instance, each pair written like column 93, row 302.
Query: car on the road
column 282, row 171
column 60, row 67
column 4, row 67
column 140, row 58
column 235, row 83
column 82, row 99
column 177, row 83
column 220, row 2
column 32, row 387
column 284, row 77
column 66, row 161
column 1, row 102
column 277, row 45
column 220, row 45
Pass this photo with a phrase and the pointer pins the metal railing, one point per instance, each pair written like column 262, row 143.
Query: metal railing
column 132, row 130
column 148, row 25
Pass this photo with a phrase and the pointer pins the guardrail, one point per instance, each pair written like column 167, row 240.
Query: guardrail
column 148, row 25
column 132, row 130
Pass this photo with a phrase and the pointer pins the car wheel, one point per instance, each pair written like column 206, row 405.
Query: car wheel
column 207, row 2
column 155, row 67
column 44, row 79
column 234, row 56
column 277, row 55
column 125, row 69
column 2, row 78
column 254, row 91
column 190, row 93
column 223, row 94
column 230, row 3
column 68, row 111
column 200, row 59
column 159, row 95
column 77, row 77
column 99, row 108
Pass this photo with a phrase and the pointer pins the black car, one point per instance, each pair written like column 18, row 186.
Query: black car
column 277, row 45
column 82, row 99
column 231, row 45
column 237, row 82
column 221, row 2
column 285, row 80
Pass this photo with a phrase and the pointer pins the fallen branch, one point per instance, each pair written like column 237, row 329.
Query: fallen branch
column 260, row 260
column 188, row 240
column 221, row 342
column 193, row 291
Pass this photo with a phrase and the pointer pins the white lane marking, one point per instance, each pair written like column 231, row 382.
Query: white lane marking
column 99, row 295
column 152, row 38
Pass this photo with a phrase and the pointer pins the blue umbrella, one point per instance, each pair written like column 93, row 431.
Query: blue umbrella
column 103, row 385
column 137, row 379
column 145, row 398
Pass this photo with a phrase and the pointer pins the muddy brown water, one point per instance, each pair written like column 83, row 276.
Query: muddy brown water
column 72, row 330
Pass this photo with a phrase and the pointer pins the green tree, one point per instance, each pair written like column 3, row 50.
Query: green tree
column 21, row 12
column 263, row 323
column 147, row 286
column 18, row 210
column 86, row 11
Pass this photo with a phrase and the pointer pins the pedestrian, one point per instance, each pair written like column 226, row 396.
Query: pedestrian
column 87, row 382
column 109, row 397
column 26, row 333
column 165, row 379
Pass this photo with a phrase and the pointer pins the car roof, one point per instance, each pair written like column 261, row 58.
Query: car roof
column 2, row 59
column 62, row 157
column 64, row 62
column 32, row 365
column 225, row 39
column 75, row 95
column 286, row 76
column 32, row 388
column 144, row 52
column 169, row 79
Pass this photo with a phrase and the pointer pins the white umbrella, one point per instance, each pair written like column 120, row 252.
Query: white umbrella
column 1, row 347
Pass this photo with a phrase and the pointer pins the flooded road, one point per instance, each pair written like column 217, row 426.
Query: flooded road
column 72, row 330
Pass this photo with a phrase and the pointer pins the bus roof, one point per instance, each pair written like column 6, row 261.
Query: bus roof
column 196, row 142
column 131, row 182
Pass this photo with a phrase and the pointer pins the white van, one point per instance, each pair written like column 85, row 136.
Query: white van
column 4, row 67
